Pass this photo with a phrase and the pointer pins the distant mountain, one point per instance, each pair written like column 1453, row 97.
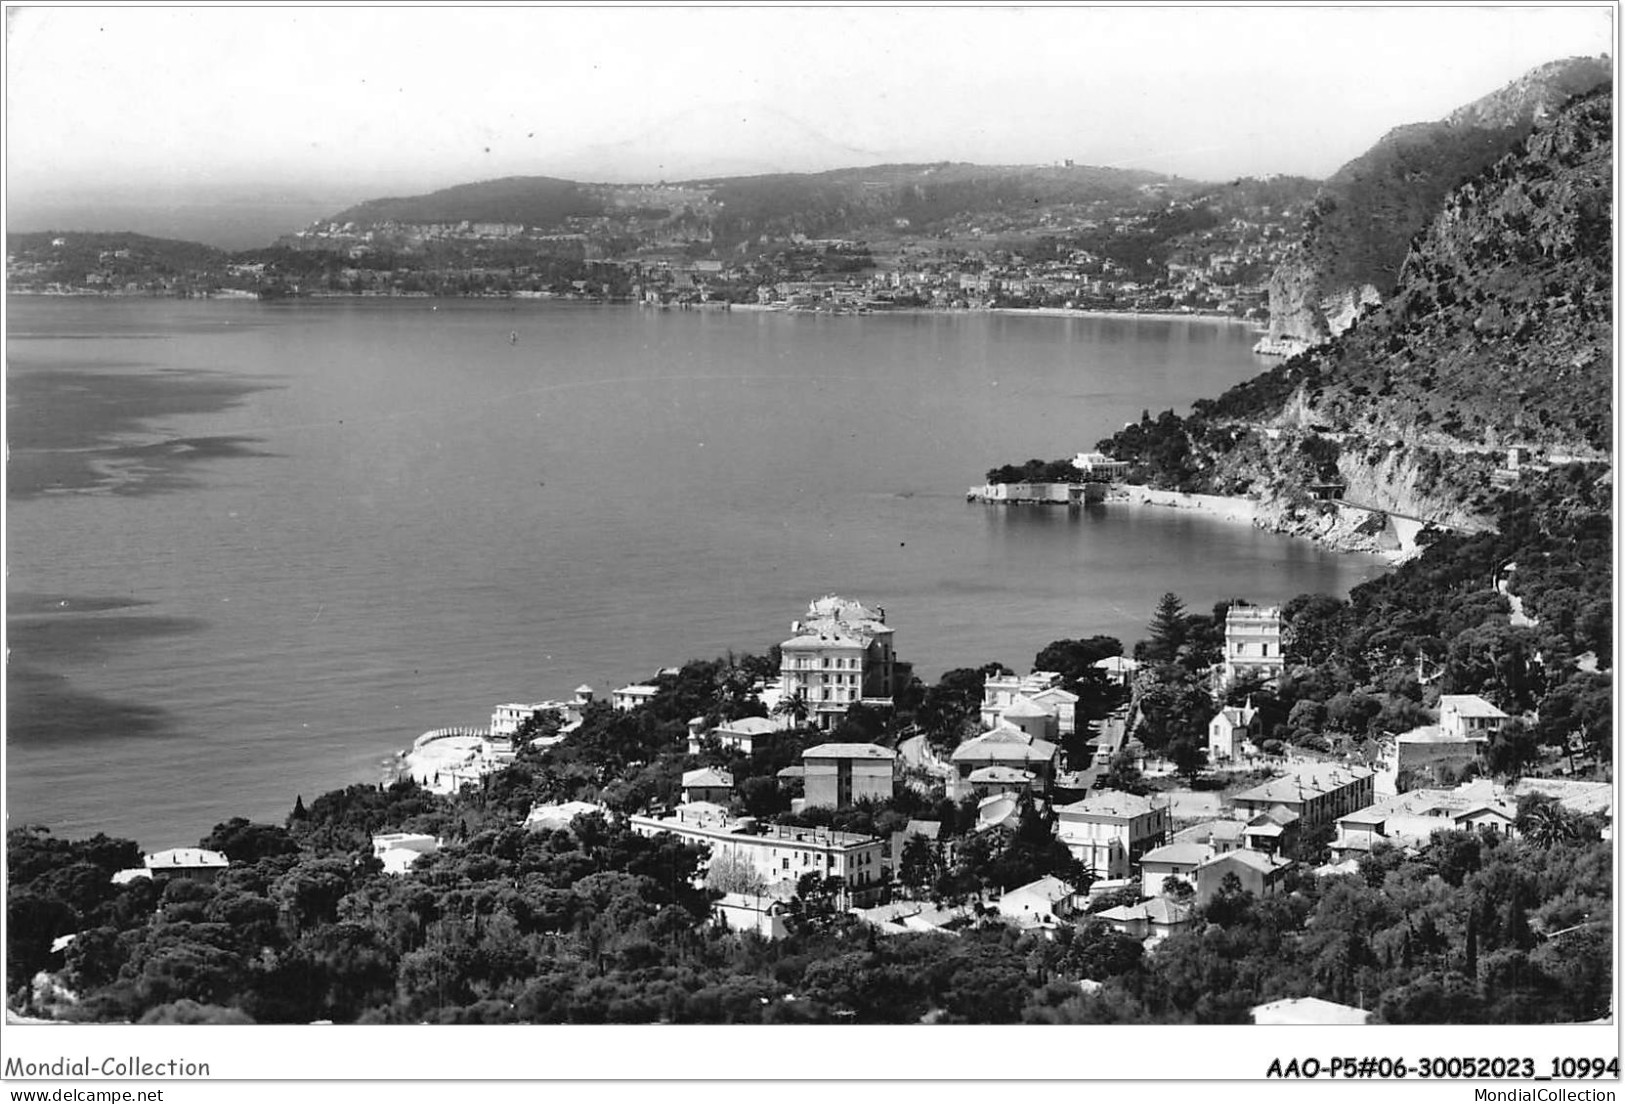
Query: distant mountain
column 1357, row 232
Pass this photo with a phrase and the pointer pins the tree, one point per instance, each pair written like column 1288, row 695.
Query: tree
column 731, row 873
column 1189, row 756
column 1173, row 705
column 951, row 706
column 795, row 707
column 1313, row 626
column 1168, row 631
column 246, row 843
column 1545, row 822
column 919, row 866
column 1074, row 660
column 1512, row 748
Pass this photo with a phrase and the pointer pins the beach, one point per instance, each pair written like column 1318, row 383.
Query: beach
column 1221, row 506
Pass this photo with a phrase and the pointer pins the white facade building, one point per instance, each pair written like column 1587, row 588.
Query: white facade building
column 1252, row 643
column 841, row 654
column 781, row 854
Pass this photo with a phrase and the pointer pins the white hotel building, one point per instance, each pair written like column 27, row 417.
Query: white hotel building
column 781, row 854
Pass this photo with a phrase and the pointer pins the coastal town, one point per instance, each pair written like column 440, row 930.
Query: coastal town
column 1165, row 248
column 1156, row 854
column 909, row 828
column 1378, row 792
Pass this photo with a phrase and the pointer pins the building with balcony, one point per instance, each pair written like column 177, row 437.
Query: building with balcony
column 1109, row 831
column 841, row 654
column 1252, row 644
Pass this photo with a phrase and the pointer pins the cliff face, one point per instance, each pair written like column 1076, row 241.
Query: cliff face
column 1303, row 312
column 1500, row 330
column 1358, row 231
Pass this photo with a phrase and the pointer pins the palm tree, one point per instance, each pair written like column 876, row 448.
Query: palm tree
column 795, row 707
column 1548, row 823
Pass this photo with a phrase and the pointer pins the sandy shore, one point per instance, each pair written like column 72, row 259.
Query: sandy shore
column 1230, row 509
column 1127, row 316
column 1028, row 312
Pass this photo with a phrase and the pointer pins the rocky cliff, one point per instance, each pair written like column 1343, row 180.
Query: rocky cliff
column 1498, row 330
column 1498, row 333
column 1358, row 230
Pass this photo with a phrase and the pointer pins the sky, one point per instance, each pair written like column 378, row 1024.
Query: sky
column 114, row 104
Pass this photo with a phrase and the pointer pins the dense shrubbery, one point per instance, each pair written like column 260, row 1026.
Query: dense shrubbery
column 598, row 925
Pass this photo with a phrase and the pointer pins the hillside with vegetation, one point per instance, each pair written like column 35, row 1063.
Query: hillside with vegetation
column 108, row 260
column 526, row 200
column 1359, row 227
column 1499, row 333
column 1499, row 329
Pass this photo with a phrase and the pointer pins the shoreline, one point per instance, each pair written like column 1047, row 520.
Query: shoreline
column 227, row 295
column 1252, row 512
column 1224, row 507
column 1125, row 315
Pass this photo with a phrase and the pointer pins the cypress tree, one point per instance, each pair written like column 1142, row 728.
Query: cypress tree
column 1167, row 629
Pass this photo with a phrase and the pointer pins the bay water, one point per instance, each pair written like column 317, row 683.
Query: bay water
column 254, row 549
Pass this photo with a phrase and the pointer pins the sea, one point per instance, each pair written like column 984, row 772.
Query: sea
column 254, row 549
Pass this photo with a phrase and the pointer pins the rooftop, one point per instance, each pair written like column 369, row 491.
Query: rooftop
column 1582, row 797
column 1469, row 705
column 749, row 726
column 848, row 751
column 1005, row 742
column 1308, row 1010
column 1000, row 774
column 1025, row 707
column 186, row 858
column 1424, row 803
column 833, row 605
column 707, row 776
column 1258, row 860
column 1108, row 803
column 1431, row 734
column 1305, row 782
column 1181, row 854
column 1158, row 910
column 814, row 640
column 1049, row 888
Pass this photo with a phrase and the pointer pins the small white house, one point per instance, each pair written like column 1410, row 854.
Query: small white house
column 1469, row 716
column 630, row 697
column 759, row 913
column 186, row 862
column 399, row 850
column 1038, row 904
